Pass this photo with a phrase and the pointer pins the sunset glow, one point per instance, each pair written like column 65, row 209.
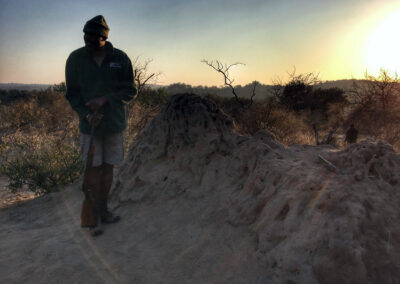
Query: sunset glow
column 383, row 46
column 337, row 39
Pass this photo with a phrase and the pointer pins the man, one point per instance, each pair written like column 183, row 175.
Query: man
column 351, row 135
column 99, row 80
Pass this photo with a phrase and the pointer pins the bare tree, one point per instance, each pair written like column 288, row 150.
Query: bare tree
column 277, row 88
column 375, row 106
column 224, row 70
column 141, row 74
column 311, row 79
column 138, row 116
column 383, row 89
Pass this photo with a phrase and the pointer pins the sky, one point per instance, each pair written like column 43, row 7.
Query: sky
column 339, row 39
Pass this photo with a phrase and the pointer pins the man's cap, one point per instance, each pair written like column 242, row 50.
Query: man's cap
column 97, row 25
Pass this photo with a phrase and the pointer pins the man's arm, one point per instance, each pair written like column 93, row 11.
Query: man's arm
column 73, row 91
column 126, row 89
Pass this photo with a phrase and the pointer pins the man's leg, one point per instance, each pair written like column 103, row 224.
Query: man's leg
column 113, row 152
column 107, row 179
column 108, row 171
column 107, row 216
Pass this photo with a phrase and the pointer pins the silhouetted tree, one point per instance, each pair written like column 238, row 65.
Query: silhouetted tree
column 300, row 93
column 296, row 95
column 142, row 76
column 375, row 106
column 224, row 70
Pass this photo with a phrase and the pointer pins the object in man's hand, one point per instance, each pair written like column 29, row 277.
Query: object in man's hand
column 94, row 119
column 90, row 213
column 96, row 103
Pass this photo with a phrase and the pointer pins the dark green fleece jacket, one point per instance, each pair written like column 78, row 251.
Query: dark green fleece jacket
column 85, row 80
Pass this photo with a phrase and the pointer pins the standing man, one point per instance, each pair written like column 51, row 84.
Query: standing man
column 100, row 82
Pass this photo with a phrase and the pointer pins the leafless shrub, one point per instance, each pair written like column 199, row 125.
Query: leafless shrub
column 286, row 125
column 375, row 107
column 142, row 76
column 307, row 79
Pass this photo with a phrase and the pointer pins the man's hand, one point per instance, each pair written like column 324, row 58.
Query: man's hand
column 96, row 103
column 94, row 119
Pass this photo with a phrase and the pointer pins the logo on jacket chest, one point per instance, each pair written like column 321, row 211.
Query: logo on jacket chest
column 115, row 65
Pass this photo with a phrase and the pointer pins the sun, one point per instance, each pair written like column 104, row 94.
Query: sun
column 382, row 49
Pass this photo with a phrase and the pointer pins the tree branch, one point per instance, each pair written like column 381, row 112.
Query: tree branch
column 224, row 70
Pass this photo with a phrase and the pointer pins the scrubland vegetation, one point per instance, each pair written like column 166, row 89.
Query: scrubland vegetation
column 39, row 134
column 39, row 140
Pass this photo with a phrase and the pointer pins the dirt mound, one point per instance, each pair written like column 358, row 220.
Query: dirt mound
column 303, row 214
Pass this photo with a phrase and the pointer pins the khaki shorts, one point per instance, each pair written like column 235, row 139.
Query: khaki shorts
column 107, row 149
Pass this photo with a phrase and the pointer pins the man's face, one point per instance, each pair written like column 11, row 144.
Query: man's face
column 93, row 41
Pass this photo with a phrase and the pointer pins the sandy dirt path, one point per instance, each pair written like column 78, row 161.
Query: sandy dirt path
column 42, row 242
column 155, row 242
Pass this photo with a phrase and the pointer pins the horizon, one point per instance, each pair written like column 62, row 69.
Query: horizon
column 339, row 41
column 173, row 83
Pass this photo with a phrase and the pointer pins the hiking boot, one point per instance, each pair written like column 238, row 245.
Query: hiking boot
column 109, row 218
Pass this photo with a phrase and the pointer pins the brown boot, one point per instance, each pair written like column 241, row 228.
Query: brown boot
column 95, row 231
column 109, row 218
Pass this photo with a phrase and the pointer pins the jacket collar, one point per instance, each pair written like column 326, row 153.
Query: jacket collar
column 109, row 49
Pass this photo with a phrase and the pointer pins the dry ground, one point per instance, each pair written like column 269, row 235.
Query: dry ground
column 8, row 198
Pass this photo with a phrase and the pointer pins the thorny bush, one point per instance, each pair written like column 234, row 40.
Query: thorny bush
column 39, row 142
column 284, row 124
